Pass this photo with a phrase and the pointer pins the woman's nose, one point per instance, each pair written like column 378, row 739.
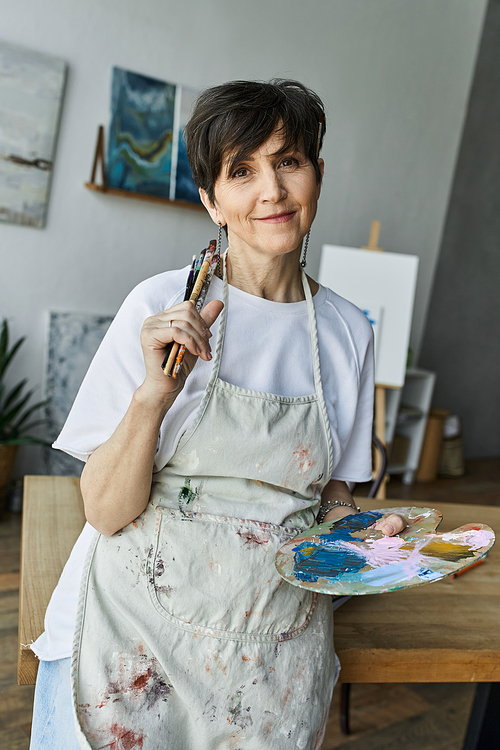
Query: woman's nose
column 272, row 188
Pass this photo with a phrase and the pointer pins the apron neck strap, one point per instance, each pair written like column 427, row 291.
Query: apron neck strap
column 314, row 334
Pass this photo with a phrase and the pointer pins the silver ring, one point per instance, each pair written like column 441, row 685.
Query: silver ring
column 170, row 324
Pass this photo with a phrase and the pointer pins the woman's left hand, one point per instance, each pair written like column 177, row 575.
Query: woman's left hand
column 337, row 490
column 389, row 526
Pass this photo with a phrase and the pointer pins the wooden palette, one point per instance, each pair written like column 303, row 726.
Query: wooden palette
column 349, row 557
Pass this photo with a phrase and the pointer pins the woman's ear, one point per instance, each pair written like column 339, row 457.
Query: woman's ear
column 214, row 212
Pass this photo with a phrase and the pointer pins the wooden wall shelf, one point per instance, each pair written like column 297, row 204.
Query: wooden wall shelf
column 103, row 187
column 141, row 196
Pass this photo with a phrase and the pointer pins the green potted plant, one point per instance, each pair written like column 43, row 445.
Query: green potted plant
column 16, row 415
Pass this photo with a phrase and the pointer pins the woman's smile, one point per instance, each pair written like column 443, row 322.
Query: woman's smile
column 277, row 218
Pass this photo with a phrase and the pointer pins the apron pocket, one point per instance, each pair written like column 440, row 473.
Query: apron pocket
column 216, row 576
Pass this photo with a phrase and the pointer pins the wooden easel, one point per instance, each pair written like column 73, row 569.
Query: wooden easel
column 379, row 389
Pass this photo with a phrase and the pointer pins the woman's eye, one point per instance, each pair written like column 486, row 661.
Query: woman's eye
column 289, row 162
column 241, row 172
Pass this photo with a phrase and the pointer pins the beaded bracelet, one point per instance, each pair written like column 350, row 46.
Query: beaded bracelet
column 324, row 509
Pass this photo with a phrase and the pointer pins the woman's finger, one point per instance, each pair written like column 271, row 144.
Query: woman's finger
column 187, row 313
column 391, row 525
column 179, row 326
column 211, row 312
column 170, row 318
column 181, row 333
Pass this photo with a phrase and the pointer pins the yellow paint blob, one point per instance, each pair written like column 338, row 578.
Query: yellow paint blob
column 446, row 550
column 308, row 551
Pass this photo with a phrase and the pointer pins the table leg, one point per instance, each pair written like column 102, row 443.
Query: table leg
column 483, row 732
column 344, row 708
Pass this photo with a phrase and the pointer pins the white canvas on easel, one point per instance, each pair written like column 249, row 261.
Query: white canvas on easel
column 383, row 285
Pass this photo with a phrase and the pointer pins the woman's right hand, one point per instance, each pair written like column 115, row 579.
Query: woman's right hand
column 189, row 327
column 116, row 480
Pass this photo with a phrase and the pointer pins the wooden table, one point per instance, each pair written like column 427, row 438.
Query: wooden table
column 447, row 631
column 52, row 520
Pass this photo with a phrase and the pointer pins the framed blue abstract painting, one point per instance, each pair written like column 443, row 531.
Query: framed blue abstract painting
column 146, row 150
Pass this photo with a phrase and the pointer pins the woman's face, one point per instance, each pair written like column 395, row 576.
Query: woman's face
column 268, row 200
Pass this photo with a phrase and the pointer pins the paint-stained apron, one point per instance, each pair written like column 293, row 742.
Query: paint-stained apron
column 187, row 638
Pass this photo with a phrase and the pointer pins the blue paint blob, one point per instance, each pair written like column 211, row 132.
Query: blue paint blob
column 356, row 522
column 428, row 574
column 325, row 563
column 328, row 560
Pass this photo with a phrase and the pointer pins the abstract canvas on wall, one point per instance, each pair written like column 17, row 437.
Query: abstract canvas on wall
column 146, row 150
column 74, row 338
column 31, row 94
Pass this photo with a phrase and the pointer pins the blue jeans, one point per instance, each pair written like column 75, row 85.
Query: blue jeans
column 53, row 725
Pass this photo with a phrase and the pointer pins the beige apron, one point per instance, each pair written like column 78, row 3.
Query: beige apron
column 186, row 636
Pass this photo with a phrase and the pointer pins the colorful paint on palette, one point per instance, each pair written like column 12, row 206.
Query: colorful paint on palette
column 350, row 556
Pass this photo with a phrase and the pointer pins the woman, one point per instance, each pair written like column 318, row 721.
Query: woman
column 186, row 637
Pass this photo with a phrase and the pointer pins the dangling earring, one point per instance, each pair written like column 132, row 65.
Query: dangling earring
column 219, row 249
column 303, row 262
column 219, row 238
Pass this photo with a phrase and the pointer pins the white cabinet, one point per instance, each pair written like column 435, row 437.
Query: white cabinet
column 406, row 415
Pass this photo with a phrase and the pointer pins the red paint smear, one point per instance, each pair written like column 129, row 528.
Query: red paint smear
column 252, row 538
column 125, row 739
column 319, row 738
column 140, row 682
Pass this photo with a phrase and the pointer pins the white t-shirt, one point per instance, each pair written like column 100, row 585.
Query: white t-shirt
column 267, row 348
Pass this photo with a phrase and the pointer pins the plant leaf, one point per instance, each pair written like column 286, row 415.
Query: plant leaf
column 8, row 417
column 30, row 426
column 10, row 397
column 15, row 410
column 4, row 338
column 28, row 413
column 7, row 358
column 26, row 440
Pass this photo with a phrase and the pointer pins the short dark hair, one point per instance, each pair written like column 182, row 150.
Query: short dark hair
column 237, row 117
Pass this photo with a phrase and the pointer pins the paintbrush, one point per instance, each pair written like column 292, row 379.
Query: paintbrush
column 187, row 294
column 469, row 567
column 176, row 367
column 195, row 292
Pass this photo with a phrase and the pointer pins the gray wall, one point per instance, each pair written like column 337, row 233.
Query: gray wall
column 462, row 335
column 395, row 77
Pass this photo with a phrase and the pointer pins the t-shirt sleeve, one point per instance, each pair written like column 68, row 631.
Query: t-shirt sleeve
column 114, row 374
column 355, row 464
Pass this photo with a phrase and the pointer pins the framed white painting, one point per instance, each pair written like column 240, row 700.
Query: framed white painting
column 383, row 286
